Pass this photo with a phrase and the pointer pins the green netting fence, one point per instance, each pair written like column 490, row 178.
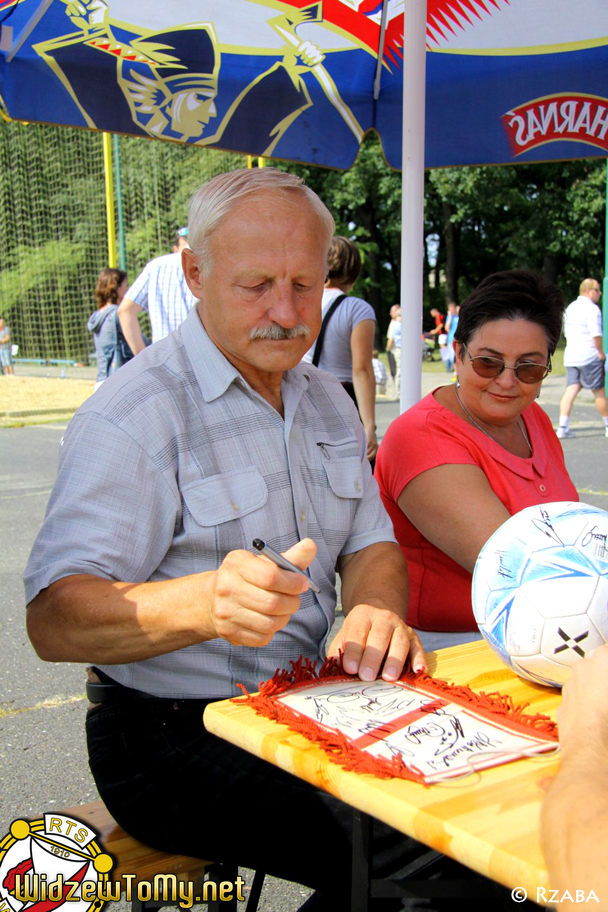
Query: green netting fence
column 53, row 236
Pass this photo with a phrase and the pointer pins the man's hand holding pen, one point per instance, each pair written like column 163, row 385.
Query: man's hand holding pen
column 253, row 598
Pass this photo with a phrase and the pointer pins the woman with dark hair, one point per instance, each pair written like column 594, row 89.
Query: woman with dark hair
column 103, row 323
column 454, row 467
column 345, row 344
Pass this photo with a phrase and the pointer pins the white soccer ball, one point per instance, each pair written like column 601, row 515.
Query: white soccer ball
column 540, row 589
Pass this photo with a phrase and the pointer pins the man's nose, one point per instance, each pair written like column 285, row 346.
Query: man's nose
column 283, row 309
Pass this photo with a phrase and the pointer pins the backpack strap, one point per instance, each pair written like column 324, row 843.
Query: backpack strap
column 334, row 305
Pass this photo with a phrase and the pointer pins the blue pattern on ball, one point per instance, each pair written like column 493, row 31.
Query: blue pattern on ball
column 562, row 545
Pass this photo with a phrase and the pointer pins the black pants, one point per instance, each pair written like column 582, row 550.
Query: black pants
column 176, row 787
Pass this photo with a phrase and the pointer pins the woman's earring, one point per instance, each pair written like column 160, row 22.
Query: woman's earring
column 457, row 382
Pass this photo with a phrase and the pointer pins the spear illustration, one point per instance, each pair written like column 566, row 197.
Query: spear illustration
column 286, row 25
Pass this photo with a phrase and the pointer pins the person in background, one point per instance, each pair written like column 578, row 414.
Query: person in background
column 584, row 357
column 574, row 816
column 346, row 341
column 451, row 323
column 6, row 351
column 109, row 292
column 379, row 373
column 438, row 329
column 162, row 290
column 393, row 347
column 457, row 464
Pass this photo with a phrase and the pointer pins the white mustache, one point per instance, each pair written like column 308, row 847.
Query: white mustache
column 277, row 333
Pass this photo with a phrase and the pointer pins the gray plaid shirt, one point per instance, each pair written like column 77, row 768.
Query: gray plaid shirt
column 174, row 462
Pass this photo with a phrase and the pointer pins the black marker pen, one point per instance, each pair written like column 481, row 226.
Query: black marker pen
column 281, row 561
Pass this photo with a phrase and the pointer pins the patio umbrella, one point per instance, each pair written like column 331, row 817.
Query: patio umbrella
column 506, row 80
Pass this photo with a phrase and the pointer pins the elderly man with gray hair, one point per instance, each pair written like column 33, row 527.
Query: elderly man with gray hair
column 144, row 564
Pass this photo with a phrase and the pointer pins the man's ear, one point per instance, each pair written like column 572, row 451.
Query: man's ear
column 192, row 272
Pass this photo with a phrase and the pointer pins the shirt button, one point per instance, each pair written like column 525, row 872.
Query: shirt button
column 542, row 488
column 235, row 507
column 302, row 516
column 357, row 486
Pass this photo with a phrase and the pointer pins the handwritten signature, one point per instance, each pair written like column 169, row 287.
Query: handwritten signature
column 544, row 525
column 597, row 539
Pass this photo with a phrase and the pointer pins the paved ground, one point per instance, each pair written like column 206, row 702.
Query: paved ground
column 43, row 764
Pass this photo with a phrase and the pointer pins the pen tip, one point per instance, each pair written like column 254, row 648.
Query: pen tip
column 258, row 544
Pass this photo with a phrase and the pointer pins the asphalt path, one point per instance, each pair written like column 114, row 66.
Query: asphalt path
column 43, row 764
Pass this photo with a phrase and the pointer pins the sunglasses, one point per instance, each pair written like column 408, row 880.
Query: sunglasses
column 525, row 371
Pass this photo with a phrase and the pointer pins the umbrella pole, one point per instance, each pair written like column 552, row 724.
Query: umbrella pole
column 605, row 294
column 107, row 167
column 412, row 206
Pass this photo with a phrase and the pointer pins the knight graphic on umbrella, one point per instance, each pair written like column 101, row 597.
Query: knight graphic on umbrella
column 167, row 83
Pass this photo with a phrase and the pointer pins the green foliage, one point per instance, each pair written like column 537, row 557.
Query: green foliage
column 39, row 293
column 547, row 217
column 53, row 240
column 366, row 204
column 53, row 234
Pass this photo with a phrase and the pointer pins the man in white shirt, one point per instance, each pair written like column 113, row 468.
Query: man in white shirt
column 160, row 289
column 584, row 357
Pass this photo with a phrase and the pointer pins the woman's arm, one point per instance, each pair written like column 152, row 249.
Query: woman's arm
column 127, row 314
column 364, row 382
column 455, row 508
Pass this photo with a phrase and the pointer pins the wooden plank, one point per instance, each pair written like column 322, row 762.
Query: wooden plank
column 132, row 856
column 488, row 821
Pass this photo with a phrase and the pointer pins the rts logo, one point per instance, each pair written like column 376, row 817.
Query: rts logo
column 48, row 862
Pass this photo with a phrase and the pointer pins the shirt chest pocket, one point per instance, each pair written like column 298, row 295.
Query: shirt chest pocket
column 222, row 498
column 342, row 465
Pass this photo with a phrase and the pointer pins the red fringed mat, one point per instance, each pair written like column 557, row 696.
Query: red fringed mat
column 418, row 728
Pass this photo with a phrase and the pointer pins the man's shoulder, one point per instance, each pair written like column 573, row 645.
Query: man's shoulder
column 146, row 392
column 166, row 261
column 581, row 303
column 320, row 385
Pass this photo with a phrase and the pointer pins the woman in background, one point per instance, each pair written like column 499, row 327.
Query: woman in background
column 345, row 348
column 456, row 465
column 103, row 323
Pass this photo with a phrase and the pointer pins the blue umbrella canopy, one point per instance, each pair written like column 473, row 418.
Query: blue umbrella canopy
column 507, row 80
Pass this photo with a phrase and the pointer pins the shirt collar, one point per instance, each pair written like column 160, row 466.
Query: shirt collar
column 525, row 468
column 213, row 371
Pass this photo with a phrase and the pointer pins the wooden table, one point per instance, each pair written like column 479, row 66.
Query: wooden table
column 488, row 822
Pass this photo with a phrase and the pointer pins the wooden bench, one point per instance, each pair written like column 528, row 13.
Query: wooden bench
column 133, row 857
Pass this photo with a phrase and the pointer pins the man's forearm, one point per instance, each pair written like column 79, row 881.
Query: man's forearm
column 598, row 342
column 376, row 575
column 85, row 618
column 574, row 829
column 127, row 314
column 246, row 601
